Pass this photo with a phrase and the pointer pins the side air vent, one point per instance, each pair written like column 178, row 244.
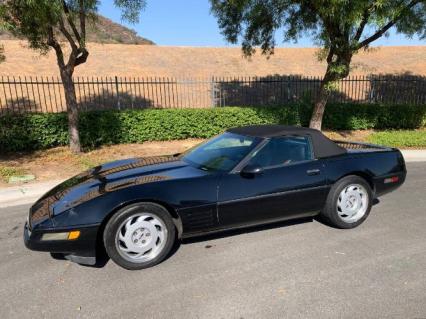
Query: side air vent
column 199, row 219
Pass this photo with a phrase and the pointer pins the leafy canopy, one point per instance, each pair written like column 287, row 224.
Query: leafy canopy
column 35, row 20
column 341, row 26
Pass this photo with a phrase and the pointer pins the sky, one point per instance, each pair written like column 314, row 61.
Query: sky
column 189, row 23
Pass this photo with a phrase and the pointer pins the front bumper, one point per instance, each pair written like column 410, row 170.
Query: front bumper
column 81, row 250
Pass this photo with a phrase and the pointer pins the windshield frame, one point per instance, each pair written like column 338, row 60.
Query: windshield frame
column 256, row 142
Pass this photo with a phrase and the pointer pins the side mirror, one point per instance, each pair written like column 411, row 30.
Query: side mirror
column 251, row 170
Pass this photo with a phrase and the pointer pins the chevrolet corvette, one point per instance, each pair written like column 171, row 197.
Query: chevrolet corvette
column 137, row 209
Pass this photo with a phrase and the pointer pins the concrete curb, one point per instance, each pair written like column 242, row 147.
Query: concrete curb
column 414, row 155
column 28, row 193
column 24, row 194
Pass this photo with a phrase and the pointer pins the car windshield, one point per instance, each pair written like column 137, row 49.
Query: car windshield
column 221, row 153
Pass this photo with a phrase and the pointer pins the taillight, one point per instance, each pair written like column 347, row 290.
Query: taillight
column 392, row 179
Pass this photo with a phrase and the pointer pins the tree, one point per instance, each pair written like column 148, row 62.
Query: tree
column 340, row 27
column 61, row 25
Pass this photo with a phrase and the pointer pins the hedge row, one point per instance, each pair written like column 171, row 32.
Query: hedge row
column 40, row 131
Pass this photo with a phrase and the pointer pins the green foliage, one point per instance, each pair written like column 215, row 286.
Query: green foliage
column 130, row 9
column 339, row 25
column 399, row 138
column 34, row 20
column 378, row 116
column 42, row 20
column 41, row 131
column 44, row 23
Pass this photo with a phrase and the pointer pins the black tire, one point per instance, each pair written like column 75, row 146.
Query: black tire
column 330, row 212
column 111, row 229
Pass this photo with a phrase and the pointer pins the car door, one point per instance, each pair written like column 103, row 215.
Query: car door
column 292, row 184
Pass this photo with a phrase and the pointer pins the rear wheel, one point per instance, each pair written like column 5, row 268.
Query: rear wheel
column 348, row 203
column 139, row 236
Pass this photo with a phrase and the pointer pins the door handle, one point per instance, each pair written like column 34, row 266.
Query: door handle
column 312, row 172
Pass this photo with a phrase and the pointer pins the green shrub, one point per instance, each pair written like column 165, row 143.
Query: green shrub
column 40, row 131
column 376, row 116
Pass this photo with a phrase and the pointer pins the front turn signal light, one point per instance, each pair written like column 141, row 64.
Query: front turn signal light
column 74, row 234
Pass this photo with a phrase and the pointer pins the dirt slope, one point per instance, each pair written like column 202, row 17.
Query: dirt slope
column 142, row 60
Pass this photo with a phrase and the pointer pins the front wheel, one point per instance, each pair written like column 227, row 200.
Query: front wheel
column 348, row 203
column 139, row 236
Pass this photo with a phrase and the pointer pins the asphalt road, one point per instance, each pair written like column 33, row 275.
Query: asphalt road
column 298, row 270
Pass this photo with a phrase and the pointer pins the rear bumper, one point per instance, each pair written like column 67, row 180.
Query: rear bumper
column 81, row 250
column 382, row 188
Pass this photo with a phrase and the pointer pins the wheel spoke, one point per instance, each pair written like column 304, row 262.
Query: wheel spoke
column 121, row 237
column 156, row 222
column 127, row 240
column 142, row 218
column 128, row 224
column 352, row 203
column 141, row 237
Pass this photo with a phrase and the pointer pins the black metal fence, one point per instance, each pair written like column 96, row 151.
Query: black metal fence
column 46, row 94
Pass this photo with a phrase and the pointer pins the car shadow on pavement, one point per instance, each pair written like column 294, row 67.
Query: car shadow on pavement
column 102, row 257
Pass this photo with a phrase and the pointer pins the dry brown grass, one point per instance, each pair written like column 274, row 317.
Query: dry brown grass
column 142, row 60
column 60, row 163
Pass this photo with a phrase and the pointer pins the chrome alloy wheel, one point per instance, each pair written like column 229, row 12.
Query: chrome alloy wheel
column 141, row 237
column 352, row 203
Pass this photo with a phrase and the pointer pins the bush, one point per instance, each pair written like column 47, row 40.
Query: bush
column 40, row 131
column 376, row 116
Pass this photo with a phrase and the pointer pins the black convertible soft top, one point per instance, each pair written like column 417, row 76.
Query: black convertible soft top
column 323, row 146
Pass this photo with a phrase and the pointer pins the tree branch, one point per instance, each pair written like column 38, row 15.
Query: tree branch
column 331, row 26
column 386, row 27
column 82, row 57
column 363, row 23
column 82, row 23
column 330, row 55
column 67, row 35
column 51, row 41
column 70, row 22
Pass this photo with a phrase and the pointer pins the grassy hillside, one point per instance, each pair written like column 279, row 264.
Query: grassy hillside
column 103, row 31
column 153, row 60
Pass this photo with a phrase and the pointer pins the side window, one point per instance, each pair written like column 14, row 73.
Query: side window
column 282, row 151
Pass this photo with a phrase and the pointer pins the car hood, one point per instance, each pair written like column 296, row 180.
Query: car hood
column 107, row 178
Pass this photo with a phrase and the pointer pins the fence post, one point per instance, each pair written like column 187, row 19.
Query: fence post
column 118, row 93
column 371, row 93
column 212, row 92
column 288, row 90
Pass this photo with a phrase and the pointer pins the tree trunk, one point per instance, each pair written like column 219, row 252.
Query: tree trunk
column 319, row 105
column 336, row 70
column 72, row 110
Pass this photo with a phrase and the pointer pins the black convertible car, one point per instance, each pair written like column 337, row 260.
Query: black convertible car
column 138, row 208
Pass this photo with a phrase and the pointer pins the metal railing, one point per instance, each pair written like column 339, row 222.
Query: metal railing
column 24, row 94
